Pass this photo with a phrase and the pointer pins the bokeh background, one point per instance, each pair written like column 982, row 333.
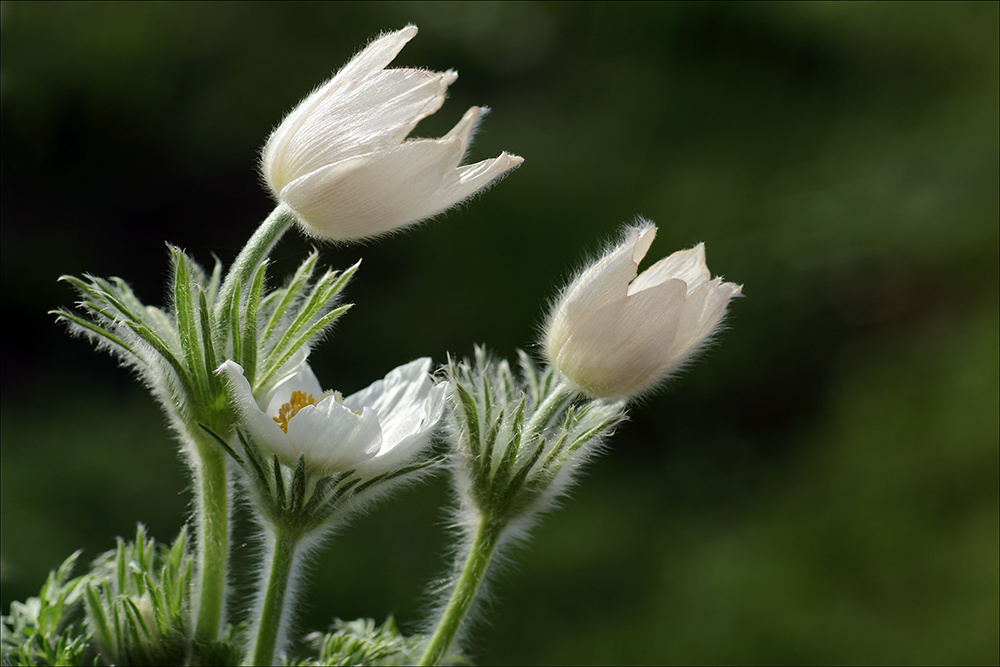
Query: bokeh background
column 821, row 488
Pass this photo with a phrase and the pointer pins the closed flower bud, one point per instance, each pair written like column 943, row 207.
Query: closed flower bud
column 341, row 160
column 616, row 334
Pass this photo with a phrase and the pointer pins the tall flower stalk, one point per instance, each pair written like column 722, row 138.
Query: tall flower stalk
column 517, row 444
column 612, row 335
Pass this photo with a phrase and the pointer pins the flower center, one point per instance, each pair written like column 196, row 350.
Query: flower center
column 291, row 408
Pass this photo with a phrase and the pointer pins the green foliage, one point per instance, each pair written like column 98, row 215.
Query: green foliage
column 176, row 351
column 361, row 642
column 133, row 607
column 291, row 317
column 519, row 441
column 301, row 501
column 49, row 629
column 138, row 601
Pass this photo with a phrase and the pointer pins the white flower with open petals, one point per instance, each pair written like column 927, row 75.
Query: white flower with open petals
column 616, row 334
column 377, row 430
column 341, row 160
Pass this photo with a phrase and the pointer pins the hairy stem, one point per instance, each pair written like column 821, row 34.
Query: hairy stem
column 246, row 263
column 274, row 596
column 484, row 545
column 212, row 517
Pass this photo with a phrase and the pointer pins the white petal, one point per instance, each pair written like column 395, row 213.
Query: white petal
column 617, row 350
column 409, row 435
column 373, row 58
column 400, row 387
column 687, row 265
column 373, row 194
column 332, row 437
column 408, row 405
column 261, row 428
column 603, row 283
column 607, row 279
column 463, row 182
column 376, row 56
column 702, row 311
column 288, row 368
column 464, row 128
column 375, row 113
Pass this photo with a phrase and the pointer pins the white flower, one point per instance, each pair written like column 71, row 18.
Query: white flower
column 341, row 161
column 614, row 334
column 376, row 430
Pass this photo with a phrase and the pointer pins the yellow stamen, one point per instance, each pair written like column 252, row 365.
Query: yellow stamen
column 291, row 408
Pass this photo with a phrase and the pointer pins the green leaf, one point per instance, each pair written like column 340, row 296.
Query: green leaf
column 250, row 351
column 95, row 330
column 290, row 293
column 276, row 362
column 469, row 417
column 298, row 490
column 234, row 325
column 211, row 359
column 187, row 325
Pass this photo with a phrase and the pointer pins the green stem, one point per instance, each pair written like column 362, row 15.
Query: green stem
column 246, row 263
column 275, row 596
column 484, row 545
column 213, row 538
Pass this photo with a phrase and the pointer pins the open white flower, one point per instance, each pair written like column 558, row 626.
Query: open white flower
column 377, row 430
column 616, row 334
column 341, row 161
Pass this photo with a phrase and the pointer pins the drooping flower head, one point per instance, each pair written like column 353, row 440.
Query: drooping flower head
column 341, row 161
column 614, row 333
column 374, row 431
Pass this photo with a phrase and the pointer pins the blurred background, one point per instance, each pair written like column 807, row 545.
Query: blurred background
column 821, row 487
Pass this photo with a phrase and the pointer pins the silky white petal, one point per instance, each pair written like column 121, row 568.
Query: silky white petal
column 402, row 385
column 375, row 113
column 399, row 399
column 603, row 283
column 466, row 126
column 373, row 194
column 616, row 350
column 463, row 182
column 332, row 437
column 371, row 59
column 687, row 265
column 260, row 427
column 288, row 368
column 341, row 159
column 408, row 405
column 376, row 56
column 607, row 279
column 703, row 309
column 410, row 434
column 616, row 334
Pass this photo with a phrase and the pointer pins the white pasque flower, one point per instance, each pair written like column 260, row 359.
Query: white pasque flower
column 616, row 334
column 341, row 161
column 376, row 430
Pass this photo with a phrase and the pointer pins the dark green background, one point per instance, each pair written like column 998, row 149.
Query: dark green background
column 821, row 488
